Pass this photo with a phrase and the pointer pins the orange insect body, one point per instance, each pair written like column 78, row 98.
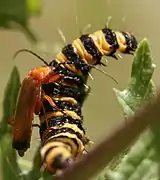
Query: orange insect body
column 44, row 74
column 28, row 103
column 22, row 119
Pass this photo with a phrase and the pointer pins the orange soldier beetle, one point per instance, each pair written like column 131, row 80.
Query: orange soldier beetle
column 28, row 103
column 22, row 119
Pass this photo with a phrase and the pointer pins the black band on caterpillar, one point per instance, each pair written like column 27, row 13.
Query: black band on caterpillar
column 63, row 130
column 110, row 37
column 75, row 59
column 60, row 120
column 69, row 76
column 63, row 105
column 91, row 48
column 56, row 89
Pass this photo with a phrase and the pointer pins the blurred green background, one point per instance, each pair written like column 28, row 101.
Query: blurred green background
column 101, row 110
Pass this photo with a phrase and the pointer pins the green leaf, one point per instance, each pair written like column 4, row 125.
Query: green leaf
column 10, row 98
column 34, row 7
column 15, row 14
column 25, row 165
column 35, row 172
column 126, row 108
column 142, row 156
column 11, row 93
column 10, row 168
column 134, row 159
column 12, row 11
column 140, row 88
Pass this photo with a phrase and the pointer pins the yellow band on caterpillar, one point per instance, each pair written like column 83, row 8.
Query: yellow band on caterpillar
column 104, row 46
column 121, row 41
column 71, row 126
column 81, row 51
column 69, row 140
column 61, row 57
column 68, row 99
column 98, row 40
column 58, row 113
column 51, row 144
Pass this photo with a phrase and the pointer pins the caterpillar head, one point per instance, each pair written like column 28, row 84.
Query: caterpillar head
column 131, row 42
column 55, row 157
column 134, row 43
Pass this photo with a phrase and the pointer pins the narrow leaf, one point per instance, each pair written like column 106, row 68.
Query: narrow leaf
column 10, row 168
column 35, row 173
column 140, row 88
column 10, row 98
column 15, row 14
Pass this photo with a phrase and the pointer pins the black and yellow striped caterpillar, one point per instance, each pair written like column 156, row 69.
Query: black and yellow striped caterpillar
column 90, row 48
column 62, row 134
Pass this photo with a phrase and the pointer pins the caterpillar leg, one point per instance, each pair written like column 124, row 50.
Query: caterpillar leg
column 39, row 103
column 51, row 101
column 86, row 94
column 85, row 29
column 108, row 22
